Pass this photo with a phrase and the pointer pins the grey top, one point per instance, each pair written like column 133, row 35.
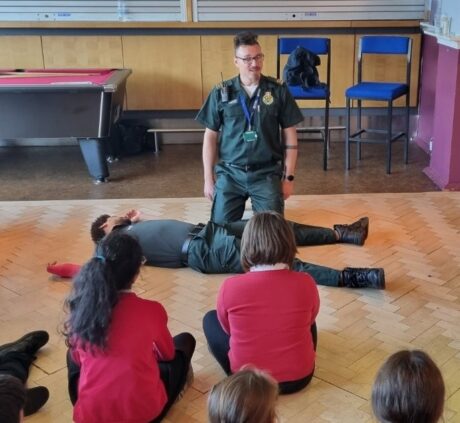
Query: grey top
column 161, row 240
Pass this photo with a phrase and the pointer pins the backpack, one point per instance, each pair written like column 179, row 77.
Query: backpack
column 128, row 139
column 300, row 68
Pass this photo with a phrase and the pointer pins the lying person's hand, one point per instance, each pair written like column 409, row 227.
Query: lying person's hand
column 133, row 215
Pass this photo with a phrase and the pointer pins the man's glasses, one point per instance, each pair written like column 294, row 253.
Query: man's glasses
column 249, row 60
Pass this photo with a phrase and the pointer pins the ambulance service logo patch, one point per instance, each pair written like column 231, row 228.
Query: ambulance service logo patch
column 268, row 98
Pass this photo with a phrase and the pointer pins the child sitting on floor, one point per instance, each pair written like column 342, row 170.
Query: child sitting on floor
column 123, row 363
column 408, row 389
column 248, row 396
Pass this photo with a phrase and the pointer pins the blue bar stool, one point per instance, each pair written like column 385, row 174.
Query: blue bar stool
column 379, row 91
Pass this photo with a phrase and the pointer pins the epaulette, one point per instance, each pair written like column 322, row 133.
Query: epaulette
column 227, row 83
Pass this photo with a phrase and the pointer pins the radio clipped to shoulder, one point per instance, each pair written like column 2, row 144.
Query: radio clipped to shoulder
column 223, row 90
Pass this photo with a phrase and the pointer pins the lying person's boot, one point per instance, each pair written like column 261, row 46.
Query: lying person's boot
column 29, row 344
column 356, row 233
column 355, row 277
column 35, row 399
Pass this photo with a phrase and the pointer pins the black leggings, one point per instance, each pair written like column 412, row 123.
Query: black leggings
column 219, row 345
column 16, row 364
column 173, row 373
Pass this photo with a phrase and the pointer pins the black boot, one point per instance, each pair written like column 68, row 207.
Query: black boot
column 35, row 399
column 356, row 233
column 355, row 277
column 29, row 344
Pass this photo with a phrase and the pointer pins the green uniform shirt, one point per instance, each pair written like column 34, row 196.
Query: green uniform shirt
column 276, row 108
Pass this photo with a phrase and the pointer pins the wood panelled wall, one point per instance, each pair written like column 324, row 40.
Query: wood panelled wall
column 19, row 52
column 166, row 72
column 176, row 72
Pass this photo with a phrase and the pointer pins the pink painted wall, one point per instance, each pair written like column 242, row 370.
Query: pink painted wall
column 429, row 69
column 444, row 167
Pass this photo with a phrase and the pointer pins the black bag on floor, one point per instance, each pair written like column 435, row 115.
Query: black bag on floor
column 132, row 139
column 127, row 140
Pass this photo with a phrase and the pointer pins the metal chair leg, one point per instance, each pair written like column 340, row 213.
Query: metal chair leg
column 347, row 137
column 389, row 135
column 326, row 134
column 359, row 123
column 406, row 144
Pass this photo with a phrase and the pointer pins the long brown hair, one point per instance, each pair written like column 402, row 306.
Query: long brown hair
column 267, row 239
column 247, row 396
column 408, row 389
column 96, row 289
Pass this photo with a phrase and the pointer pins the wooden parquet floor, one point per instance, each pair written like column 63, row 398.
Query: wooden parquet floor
column 415, row 237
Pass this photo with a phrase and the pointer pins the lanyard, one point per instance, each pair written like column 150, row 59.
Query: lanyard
column 250, row 116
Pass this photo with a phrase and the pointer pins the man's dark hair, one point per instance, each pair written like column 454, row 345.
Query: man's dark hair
column 97, row 233
column 245, row 38
column 12, row 398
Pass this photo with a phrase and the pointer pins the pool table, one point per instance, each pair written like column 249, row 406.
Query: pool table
column 64, row 103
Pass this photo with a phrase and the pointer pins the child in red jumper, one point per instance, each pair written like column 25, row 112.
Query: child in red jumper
column 266, row 317
column 124, row 365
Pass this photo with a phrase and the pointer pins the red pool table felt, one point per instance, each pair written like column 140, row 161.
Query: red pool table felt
column 55, row 76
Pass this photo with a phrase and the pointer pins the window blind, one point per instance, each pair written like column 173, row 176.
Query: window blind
column 280, row 10
column 92, row 10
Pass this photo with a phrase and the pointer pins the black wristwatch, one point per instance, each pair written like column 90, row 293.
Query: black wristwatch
column 289, row 178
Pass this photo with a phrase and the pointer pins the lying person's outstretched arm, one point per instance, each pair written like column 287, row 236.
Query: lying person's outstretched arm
column 63, row 270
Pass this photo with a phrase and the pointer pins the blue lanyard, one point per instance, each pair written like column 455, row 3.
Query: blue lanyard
column 250, row 116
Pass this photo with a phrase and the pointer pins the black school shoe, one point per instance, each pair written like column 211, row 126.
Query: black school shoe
column 29, row 344
column 35, row 399
column 356, row 233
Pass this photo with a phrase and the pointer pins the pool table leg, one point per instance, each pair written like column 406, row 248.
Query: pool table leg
column 93, row 152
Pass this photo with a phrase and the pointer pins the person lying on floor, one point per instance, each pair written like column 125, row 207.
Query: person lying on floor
column 213, row 248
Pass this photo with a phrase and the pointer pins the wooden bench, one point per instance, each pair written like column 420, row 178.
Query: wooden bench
column 320, row 129
column 300, row 130
column 156, row 131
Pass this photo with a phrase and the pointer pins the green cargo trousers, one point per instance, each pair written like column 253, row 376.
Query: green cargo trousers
column 235, row 185
column 216, row 249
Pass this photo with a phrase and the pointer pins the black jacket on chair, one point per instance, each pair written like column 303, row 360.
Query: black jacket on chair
column 300, row 68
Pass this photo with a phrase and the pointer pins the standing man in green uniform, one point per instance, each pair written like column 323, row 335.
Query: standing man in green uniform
column 252, row 159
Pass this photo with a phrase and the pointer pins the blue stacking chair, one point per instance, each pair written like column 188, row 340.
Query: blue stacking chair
column 379, row 91
column 321, row 47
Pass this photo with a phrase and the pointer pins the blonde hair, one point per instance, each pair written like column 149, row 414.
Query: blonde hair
column 267, row 239
column 248, row 396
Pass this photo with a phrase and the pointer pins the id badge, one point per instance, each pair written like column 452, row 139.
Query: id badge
column 250, row 136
